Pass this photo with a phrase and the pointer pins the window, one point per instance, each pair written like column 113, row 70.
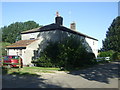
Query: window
column 32, row 38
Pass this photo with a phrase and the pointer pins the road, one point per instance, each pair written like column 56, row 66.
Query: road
column 99, row 76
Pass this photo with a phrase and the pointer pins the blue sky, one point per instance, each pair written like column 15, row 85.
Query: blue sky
column 92, row 18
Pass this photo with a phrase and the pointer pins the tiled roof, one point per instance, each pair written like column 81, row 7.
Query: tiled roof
column 21, row 43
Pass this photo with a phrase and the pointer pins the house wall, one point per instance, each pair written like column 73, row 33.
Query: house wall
column 33, row 50
column 93, row 44
column 57, row 35
column 47, row 35
column 29, row 52
column 25, row 54
column 45, row 38
column 19, row 52
column 29, row 35
column 11, row 52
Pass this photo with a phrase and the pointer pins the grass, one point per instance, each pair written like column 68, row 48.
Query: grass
column 29, row 70
column 42, row 68
column 37, row 70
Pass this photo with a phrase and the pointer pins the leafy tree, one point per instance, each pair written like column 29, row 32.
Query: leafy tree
column 116, row 56
column 12, row 32
column 3, row 51
column 112, row 40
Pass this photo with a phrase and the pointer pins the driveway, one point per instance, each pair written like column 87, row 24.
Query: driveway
column 99, row 76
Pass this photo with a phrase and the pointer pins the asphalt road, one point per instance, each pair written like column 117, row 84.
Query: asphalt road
column 100, row 76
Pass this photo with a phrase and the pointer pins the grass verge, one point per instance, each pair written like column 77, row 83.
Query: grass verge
column 28, row 70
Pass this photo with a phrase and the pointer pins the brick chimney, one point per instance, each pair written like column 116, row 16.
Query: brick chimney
column 58, row 19
column 73, row 26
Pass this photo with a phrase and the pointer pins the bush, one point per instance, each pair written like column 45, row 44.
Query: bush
column 106, row 54
column 91, row 59
column 116, row 56
column 43, row 61
column 3, row 51
column 69, row 53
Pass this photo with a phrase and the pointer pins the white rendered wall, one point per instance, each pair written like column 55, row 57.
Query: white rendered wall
column 29, row 52
column 25, row 54
column 93, row 44
column 12, row 51
column 29, row 35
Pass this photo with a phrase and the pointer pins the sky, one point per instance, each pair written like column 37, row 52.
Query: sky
column 91, row 18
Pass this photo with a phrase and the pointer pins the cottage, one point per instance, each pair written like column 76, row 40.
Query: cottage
column 35, row 40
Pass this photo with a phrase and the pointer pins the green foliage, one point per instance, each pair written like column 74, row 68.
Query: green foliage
column 28, row 71
column 69, row 53
column 91, row 58
column 44, row 61
column 12, row 32
column 116, row 56
column 106, row 53
column 112, row 40
column 4, row 44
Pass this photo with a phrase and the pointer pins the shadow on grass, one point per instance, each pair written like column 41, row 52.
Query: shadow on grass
column 24, row 80
column 100, row 73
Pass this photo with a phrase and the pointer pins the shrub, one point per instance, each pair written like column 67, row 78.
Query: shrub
column 43, row 61
column 106, row 54
column 91, row 59
column 69, row 53
column 116, row 56
column 3, row 51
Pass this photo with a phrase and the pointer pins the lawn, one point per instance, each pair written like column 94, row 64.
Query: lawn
column 29, row 70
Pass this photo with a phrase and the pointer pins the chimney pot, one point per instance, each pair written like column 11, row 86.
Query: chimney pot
column 57, row 14
column 58, row 19
column 73, row 26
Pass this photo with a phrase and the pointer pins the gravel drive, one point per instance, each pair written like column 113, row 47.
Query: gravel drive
column 99, row 76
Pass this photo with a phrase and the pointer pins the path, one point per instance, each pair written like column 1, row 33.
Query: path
column 100, row 76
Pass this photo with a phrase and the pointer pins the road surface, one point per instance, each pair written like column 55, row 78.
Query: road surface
column 99, row 76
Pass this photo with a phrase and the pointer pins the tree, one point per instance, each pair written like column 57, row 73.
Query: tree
column 12, row 32
column 112, row 40
column 3, row 47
